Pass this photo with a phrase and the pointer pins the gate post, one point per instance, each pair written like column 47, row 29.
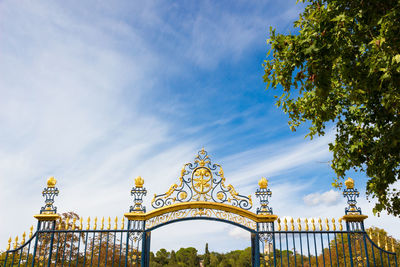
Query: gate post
column 255, row 250
column 145, row 259
column 354, row 220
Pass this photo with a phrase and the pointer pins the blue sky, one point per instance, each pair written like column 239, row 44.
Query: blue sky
column 96, row 94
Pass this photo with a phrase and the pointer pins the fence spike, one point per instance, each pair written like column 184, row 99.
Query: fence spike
column 393, row 245
column 379, row 240
column 340, row 224
column 370, row 233
column 116, row 223
column 16, row 242
column 299, row 224
column 327, row 224
column 285, row 222
column 313, row 224
column 102, row 223
column 88, row 223
column 9, row 243
column 95, row 223
column 59, row 223
column 67, row 224
column 123, row 223
column 109, row 223
column 386, row 243
column 279, row 224
column 73, row 224
column 23, row 238
column 80, row 223
column 31, row 231
column 292, row 224
column 306, row 223
column 333, row 224
column 320, row 224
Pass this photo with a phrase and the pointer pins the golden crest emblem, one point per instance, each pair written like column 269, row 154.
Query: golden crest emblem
column 202, row 180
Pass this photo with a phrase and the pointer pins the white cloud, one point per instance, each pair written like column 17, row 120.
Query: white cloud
column 328, row 198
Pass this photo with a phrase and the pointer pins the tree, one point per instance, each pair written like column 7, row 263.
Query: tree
column 206, row 260
column 342, row 67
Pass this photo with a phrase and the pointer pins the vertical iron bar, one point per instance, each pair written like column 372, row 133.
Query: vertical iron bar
column 108, row 236
column 36, row 241
column 366, row 248
column 322, row 247
column 20, row 256
column 84, row 253
column 5, row 260
column 273, row 242
column 336, row 250
column 373, row 254
column 349, row 240
column 51, row 243
column 12, row 261
column 65, row 245
column 115, row 236
column 91, row 255
column 79, row 245
column 287, row 248
column 294, row 250
column 388, row 258
column 280, row 247
column 301, row 250
column 98, row 258
column 127, row 243
column 308, row 248
column 57, row 247
column 27, row 254
column 344, row 251
column 329, row 248
column 315, row 248
column 71, row 248
column 120, row 249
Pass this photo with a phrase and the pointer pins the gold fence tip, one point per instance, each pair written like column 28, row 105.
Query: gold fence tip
column 123, row 223
column 67, row 223
column 386, row 243
column 80, row 223
column 333, row 224
column 263, row 183
column 73, row 224
column 292, row 224
column 285, row 222
column 306, row 223
column 102, row 223
column 116, row 223
column 139, row 182
column 327, row 224
column 16, row 242
column 95, row 223
column 279, row 224
column 313, row 224
column 88, row 223
column 31, row 231
column 379, row 240
column 393, row 250
column 299, row 224
column 109, row 223
column 9, row 243
column 23, row 238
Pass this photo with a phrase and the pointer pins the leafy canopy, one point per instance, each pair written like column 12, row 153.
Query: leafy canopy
column 342, row 67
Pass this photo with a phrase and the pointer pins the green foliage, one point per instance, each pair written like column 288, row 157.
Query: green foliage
column 343, row 67
column 206, row 257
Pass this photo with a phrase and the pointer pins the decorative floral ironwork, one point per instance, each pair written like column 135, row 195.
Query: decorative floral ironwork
column 202, row 181
column 263, row 193
column 352, row 194
column 49, row 193
column 200, row 212
column 138, row 191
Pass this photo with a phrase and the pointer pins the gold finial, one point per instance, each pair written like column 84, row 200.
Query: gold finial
column 320, row 224
column 109, row 223
column 123, row 223
column 95, row 223
column 9, row 244
column 51, row 182
column 59, row 223
column 393, row 245
column 285, row 221
column 67, row 224
column 102, row 224
column 333, row 224
column 31, row 231
column 313, row 224
column 379, row 240
column 88, row 223
column 16, row 242
column 340, row 225
column 80, row 223
column 327, row 224
column 386, row 243
column 306, row 223
column 299, row 224
column 349, row 183
column 279, row 224
column 116, row 223
column 23, row 238
column 292, row 224
column 263, row 183
column 73, row 224
column 139, row 182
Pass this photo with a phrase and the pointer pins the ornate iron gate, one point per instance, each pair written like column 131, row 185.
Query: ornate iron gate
column 201, row 193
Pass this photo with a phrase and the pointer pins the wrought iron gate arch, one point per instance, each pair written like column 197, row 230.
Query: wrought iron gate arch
column 200, row 194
